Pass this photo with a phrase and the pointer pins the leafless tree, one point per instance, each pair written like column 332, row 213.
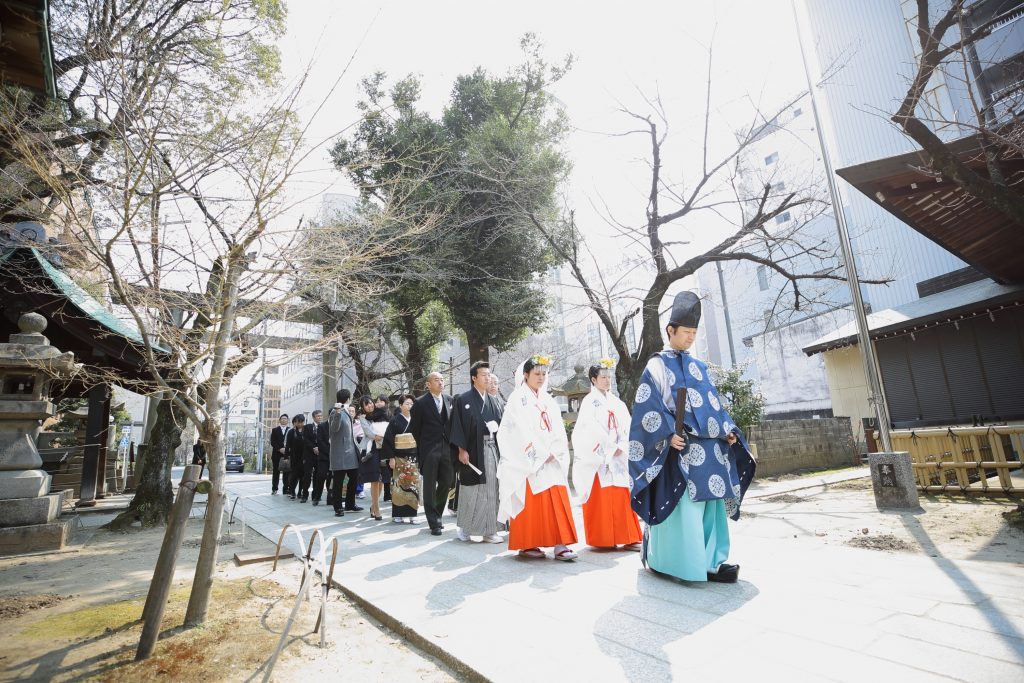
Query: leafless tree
column 185, row 223
column 948, row 42
column 719, row 186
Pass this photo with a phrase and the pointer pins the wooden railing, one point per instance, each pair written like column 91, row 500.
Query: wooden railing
column 965, row 459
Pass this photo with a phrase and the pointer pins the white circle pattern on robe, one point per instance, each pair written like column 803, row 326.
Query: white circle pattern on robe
column 670, row 377
column 695, row 455
column 636, row 451
column 643, row 392
column 720, row 456
column 736, row 490
column 652, row 472
column 730, row 507
column 692, row 489
column 716, row 485
column 695, row 371
column 693, row 398
column 651, row 421
column 713, row 401
column 713, row 429
column 683, row 464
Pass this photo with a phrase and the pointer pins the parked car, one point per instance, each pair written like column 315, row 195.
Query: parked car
column 234, row 462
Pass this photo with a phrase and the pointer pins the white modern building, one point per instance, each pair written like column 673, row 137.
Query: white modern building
column 863, row 54
column 750, row 317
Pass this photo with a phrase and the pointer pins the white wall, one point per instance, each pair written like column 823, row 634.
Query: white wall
column 847, row 387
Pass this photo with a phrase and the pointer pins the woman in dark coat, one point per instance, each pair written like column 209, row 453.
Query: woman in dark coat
column 369, row 458
column 401, row 457
column 381, row 403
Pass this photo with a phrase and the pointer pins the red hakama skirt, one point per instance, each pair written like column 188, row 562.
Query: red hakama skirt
column 608, row 518
column 546, row 520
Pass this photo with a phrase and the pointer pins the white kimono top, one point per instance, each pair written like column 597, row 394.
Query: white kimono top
column 601, row 429
column 531, row 430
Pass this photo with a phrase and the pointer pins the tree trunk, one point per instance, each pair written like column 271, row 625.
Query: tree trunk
column 212, row 436
column 154, row 497
column 362, row 372
column 652, row 334
column 414, row 359
column 202, row 584
column 627, row 379
column 477, row 349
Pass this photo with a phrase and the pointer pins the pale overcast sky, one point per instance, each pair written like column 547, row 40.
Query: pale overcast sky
column 621, row 49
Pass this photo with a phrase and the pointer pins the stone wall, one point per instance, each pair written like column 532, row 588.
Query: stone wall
column 785, row 446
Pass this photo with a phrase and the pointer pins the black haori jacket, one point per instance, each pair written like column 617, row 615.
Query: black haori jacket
column 469, row 426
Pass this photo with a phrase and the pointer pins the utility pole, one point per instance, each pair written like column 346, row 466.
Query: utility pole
column 725, row 311
column 262, row 418
column 874, row 381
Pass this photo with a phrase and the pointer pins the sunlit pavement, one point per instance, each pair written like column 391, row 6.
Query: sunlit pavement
column 801, row 610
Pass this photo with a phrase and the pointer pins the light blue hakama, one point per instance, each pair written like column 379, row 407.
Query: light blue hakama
column 691, row 542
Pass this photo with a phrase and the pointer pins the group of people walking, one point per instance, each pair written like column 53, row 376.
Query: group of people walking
column 338, row 456
column 678, row 464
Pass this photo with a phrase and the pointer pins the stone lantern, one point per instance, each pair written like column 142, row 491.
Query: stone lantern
column 28, row 511
column 574, row 389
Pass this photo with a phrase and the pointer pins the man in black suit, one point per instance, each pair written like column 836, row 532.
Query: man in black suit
column 295, row 449
column 429, row 424
column 277, row 437
column 322, row 470
column 199, row 456
column 309, row 451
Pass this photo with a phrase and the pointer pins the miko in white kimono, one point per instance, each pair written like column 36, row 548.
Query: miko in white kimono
column 532, row 475
column 600, row 443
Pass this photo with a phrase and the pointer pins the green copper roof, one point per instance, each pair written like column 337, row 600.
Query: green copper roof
column 89, row 305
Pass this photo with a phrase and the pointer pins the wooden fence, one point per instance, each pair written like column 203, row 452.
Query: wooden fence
column 965, row 459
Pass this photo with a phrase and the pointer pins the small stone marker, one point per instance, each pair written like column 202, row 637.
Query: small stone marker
column 893, row 481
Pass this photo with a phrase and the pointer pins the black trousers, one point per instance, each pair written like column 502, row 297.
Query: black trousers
column 338, row 482
column 292, row 485
column 438, row 473
column 308, row 466
column 320, row 476
column 275, row 459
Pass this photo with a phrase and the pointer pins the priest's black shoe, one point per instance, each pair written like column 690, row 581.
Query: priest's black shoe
column 354, row 508
column 316, row 502
column 435, row 531
column 339, row 513
column 727, row 573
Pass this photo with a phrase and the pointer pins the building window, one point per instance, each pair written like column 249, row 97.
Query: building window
column 782, row 217
column 771, row 158
column 762, row 278
column 779, row 187
column 797, row 112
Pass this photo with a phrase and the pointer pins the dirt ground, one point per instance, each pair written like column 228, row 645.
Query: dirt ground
column 74, row 616
column 955, row 527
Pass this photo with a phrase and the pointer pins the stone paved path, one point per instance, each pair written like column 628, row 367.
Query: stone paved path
column 803, row 610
